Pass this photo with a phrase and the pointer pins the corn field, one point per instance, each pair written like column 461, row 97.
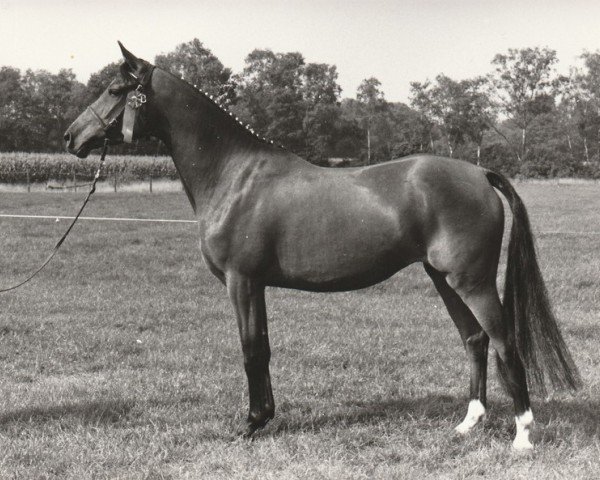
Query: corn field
column 26, row 168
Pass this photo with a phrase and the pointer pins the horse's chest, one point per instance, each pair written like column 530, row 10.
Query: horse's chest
column 215, row 247
column 228, row 246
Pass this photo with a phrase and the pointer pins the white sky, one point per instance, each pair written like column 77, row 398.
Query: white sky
column 396, row 41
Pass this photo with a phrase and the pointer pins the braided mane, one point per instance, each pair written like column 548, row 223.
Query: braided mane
column 225, row 110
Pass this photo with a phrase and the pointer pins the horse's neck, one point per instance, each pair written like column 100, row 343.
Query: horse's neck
column 206, row 146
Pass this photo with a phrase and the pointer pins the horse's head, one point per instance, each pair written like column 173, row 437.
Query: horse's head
column 113, row 114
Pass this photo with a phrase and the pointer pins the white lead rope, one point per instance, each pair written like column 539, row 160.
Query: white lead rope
column 171, row 220
column 108, row 219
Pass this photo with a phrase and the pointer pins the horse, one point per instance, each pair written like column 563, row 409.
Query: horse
column 268, row 218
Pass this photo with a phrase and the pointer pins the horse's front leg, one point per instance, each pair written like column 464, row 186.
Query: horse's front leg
column 248, row 299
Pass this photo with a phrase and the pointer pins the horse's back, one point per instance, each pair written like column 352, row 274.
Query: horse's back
column 442, row 191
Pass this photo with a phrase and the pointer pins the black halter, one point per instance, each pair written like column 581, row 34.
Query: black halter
column 132, row 98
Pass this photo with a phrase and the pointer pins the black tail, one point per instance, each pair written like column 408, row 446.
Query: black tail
column 537, row 337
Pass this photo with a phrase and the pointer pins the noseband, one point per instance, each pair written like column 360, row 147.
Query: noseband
column 106, row 124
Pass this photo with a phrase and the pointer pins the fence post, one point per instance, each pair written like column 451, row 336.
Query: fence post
column 74, row 180
column 115, row 182
column 152, row 170
column 28, row 180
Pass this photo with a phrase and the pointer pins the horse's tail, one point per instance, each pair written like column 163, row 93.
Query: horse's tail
column 526, row 306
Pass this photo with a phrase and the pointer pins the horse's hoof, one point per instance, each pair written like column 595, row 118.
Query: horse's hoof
column 248, row 429
column 475, row 414
column 467, row 425
column 463, row 428
column 522, row 445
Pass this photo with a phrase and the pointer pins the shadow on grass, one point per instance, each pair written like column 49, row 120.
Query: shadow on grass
column 580, row 414
column 300, row 417
column 90, row 413
column 119, row 413
column 554, row 419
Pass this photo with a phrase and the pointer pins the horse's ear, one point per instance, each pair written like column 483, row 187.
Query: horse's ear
column 132, row 61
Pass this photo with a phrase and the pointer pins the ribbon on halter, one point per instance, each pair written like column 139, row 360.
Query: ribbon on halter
column 135, row 99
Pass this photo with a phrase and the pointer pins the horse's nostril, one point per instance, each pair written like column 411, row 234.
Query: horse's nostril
column 68, row 139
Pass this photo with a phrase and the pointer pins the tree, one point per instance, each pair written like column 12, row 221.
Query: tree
column 573, row 109
column 268, row 85
column 521, row 78
column 37, row 107
column 589, row 82
column 408, row 133
column 319, row 84
column 422, row 100
column 460, row 109
column 320, row 93
column 440, row 104
column 52, row 101
column 373, row 103
column 12, row 99
column 349, row 134
column 197, row 65
column 480, row 113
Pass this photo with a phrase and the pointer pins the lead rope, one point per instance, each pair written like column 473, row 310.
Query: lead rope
column 60, row 242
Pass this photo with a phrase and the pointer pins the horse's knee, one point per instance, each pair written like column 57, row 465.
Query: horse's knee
column 477, row 344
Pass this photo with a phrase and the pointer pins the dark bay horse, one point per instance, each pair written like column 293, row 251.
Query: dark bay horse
column 268, row 218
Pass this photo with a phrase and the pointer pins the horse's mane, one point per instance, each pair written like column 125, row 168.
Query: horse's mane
column 224, row 110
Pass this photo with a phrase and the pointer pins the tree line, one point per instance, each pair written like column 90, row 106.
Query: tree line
column 522, row 118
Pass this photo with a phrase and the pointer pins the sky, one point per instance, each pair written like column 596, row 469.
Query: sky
column 395, row 41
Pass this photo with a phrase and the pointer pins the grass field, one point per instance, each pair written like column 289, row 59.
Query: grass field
column 121, row 360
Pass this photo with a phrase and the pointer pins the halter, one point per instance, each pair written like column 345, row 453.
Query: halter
column 128, row 104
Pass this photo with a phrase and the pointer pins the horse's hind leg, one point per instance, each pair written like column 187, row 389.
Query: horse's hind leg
column 248, row 299
column 475, row 342
column 484, row 303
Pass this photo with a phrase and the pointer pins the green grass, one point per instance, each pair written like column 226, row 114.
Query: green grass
column 121, row 360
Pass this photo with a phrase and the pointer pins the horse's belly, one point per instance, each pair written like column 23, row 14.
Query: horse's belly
column 346, row 259
column 336, row 279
